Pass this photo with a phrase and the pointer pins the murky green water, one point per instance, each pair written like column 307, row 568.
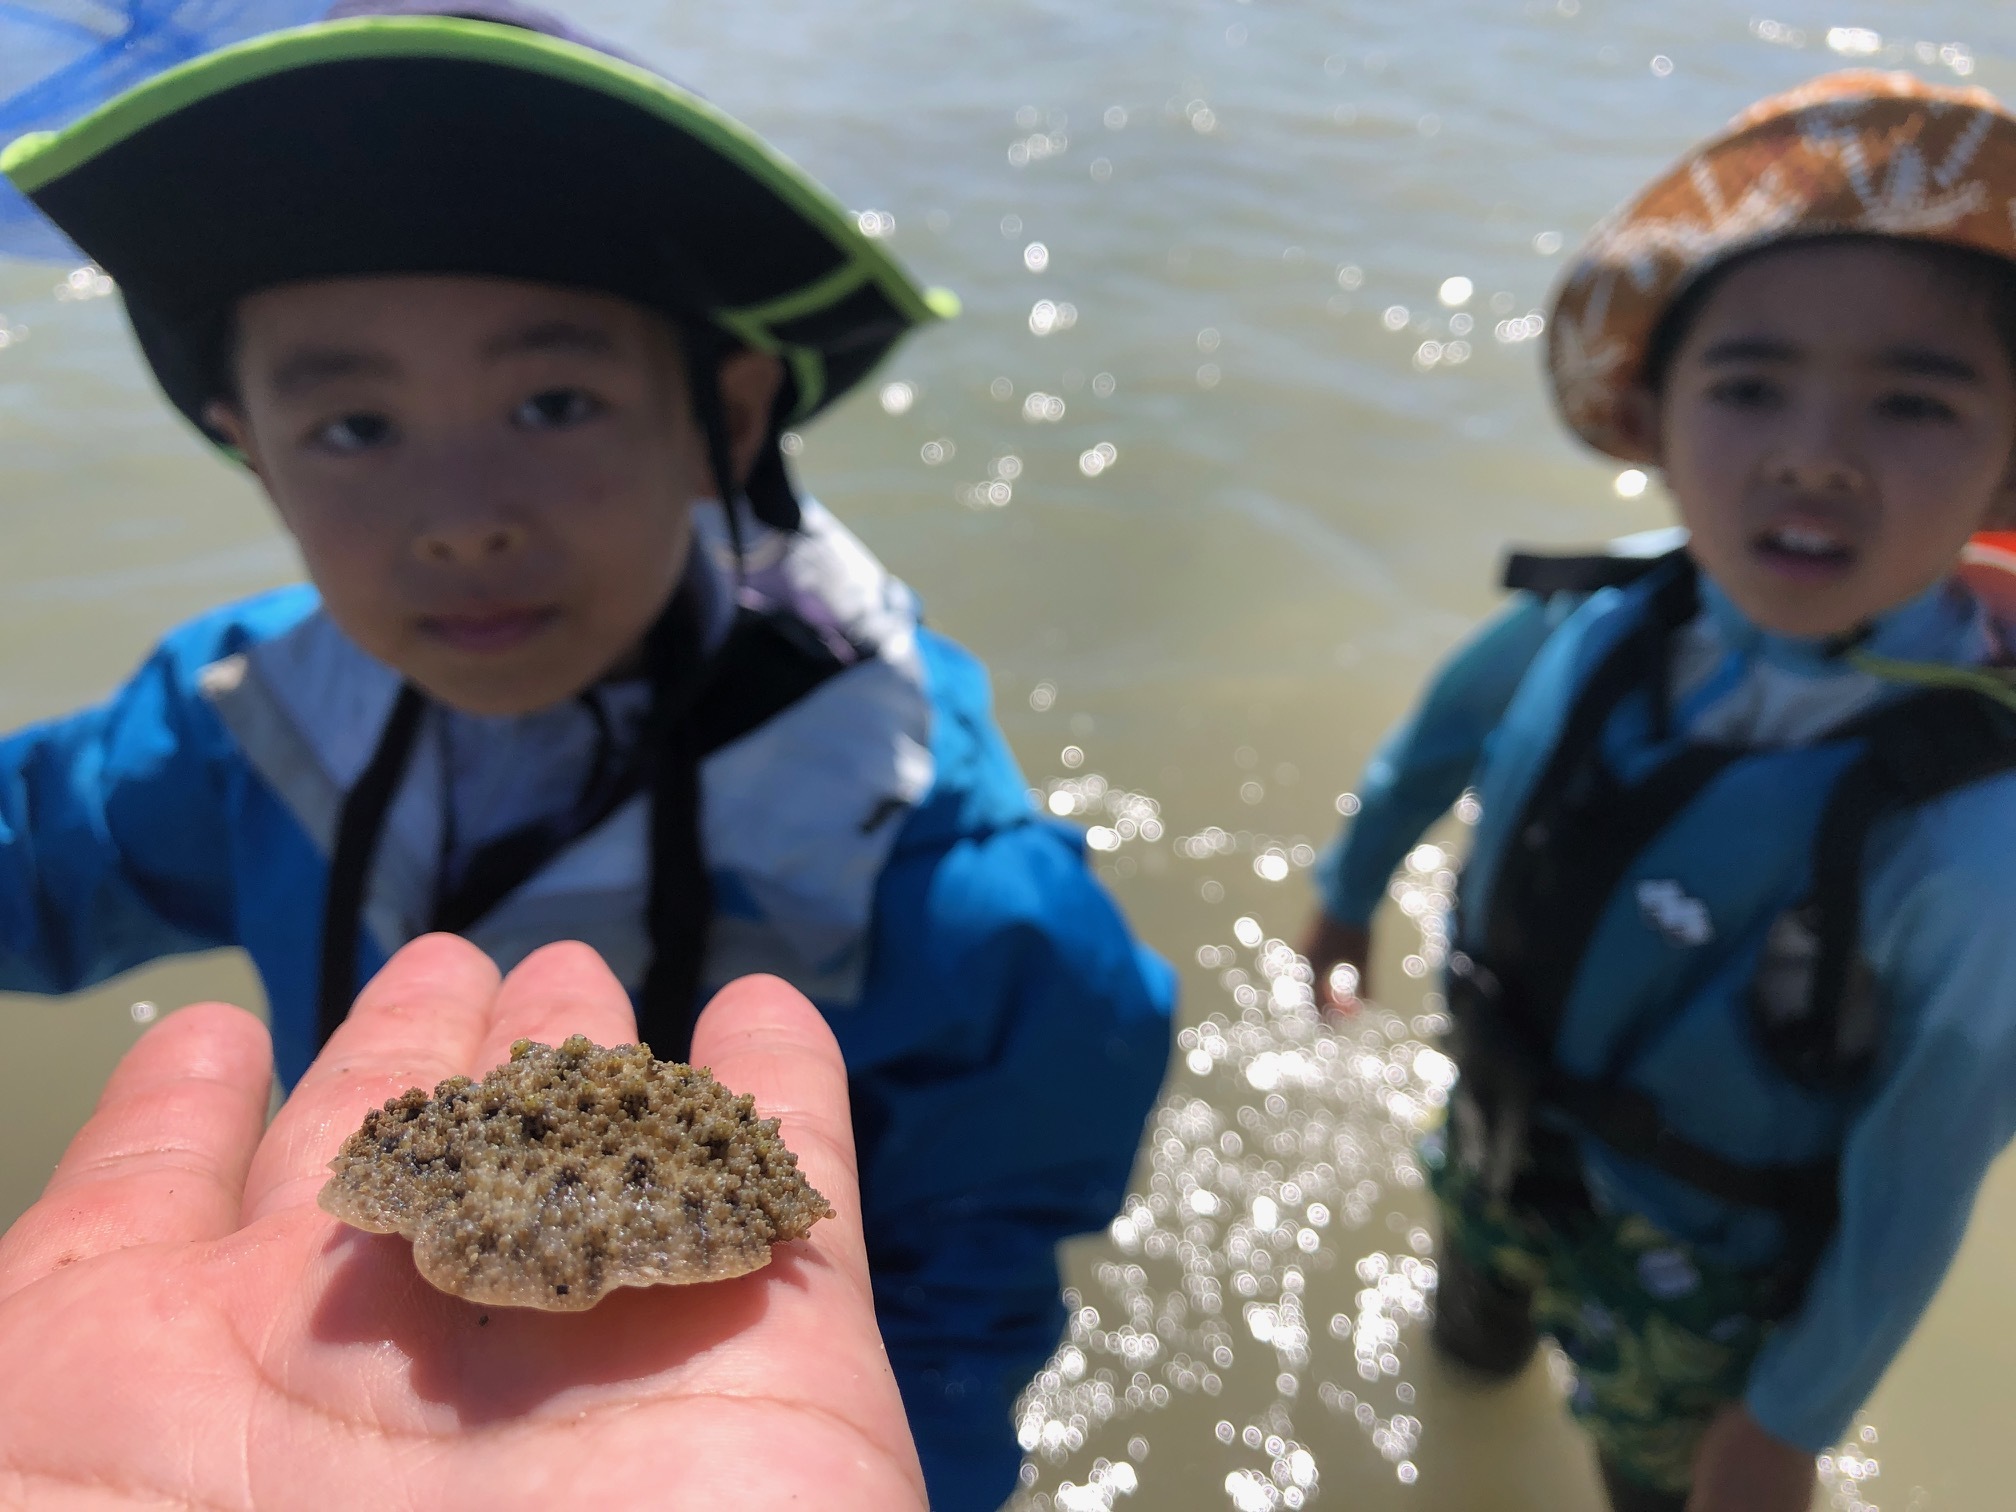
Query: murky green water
column 1246, row 214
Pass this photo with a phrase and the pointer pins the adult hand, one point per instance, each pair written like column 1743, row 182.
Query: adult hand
column 1741, row 1468
column 183, row 1326
column 1328, row 944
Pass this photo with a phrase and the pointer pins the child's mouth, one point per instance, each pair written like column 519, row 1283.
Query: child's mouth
column 1804, row 552
column 488, row 632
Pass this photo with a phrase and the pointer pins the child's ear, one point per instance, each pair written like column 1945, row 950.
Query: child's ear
column 1639, row 417
column 223, row 418
column 749, row 383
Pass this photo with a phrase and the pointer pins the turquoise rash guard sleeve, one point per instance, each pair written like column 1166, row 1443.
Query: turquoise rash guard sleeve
column 1943, row 1107
column 1424, row 764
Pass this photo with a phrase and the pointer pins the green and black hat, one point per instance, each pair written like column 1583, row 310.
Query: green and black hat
column 428, row 136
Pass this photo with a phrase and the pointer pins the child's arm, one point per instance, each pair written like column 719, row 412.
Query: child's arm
column 113, row 846
column 1944, row 1108
column 1418, row 771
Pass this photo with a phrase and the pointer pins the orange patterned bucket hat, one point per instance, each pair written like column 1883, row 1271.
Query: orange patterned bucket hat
column 1858, row 153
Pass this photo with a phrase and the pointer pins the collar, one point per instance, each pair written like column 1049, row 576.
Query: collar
column 1945, row 624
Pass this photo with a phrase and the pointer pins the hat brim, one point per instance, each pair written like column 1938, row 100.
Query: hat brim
column 407, row 144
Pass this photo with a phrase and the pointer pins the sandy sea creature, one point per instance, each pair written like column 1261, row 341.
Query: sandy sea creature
column 566, row 1172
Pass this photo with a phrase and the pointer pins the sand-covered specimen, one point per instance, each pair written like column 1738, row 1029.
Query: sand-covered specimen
column 569, row 1171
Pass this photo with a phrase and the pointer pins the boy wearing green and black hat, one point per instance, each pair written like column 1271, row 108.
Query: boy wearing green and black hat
column 508, row 328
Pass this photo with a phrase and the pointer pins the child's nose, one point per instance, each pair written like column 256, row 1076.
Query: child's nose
column 467, row 542
column 1817, row 454
column 1819, row 473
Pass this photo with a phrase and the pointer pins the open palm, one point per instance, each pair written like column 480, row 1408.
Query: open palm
column 181, row 1325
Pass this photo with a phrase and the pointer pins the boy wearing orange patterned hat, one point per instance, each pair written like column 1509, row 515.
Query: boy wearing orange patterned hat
column 1733, row 990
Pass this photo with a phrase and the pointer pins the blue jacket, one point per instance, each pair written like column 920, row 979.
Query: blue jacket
column 1004, row 1034
column 1938, row 886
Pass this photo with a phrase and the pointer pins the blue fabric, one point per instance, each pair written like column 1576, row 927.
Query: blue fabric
column 60, row 59
column 990, row 1132
column 1003, row 1056
column 1939, row 886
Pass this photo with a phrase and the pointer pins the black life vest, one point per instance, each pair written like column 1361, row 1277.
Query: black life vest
column 1813, row 1007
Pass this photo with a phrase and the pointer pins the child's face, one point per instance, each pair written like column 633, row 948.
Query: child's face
column 491, row 482
column 1837, row 420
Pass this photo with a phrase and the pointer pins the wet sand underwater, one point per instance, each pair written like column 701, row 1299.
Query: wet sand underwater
column 1219, row 461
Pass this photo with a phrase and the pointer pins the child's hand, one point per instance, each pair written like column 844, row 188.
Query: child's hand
column 1328, row 945
column 183, row 1325
column 1741, row 1468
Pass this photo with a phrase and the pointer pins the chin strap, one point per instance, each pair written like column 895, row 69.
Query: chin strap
column 703, row 382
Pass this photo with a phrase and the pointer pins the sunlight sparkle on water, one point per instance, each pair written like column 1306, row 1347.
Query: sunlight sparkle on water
column 1280, row 1141
column 1095, row 460
column 1047, row 315
column 1283, row 1141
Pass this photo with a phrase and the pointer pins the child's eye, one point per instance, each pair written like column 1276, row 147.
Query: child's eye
column 353, row 433
column 1745, row 392
column 1913, row 407
column 557, row 409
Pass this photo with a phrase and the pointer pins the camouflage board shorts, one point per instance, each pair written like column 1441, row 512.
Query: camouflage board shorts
column 1661, row 1338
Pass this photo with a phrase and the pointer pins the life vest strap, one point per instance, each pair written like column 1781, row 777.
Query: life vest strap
column 1580, row 831
column 1917, row 748
column 1627, row 1121
column 1547, row 574
column 1512, row 1103
column 358, row 827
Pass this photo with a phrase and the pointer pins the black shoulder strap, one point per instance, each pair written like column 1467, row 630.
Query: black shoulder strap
column 1547, row 573
column 1580, row 830
column 768, row 662
column 1822, row 1025
column 358, row 827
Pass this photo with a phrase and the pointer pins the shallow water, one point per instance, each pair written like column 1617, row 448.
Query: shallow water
column 1251, row 212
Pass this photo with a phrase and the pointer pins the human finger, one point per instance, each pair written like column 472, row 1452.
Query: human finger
column 556, row 991
column 164, row 1156
column 416, row 1023
column 760, row 1036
